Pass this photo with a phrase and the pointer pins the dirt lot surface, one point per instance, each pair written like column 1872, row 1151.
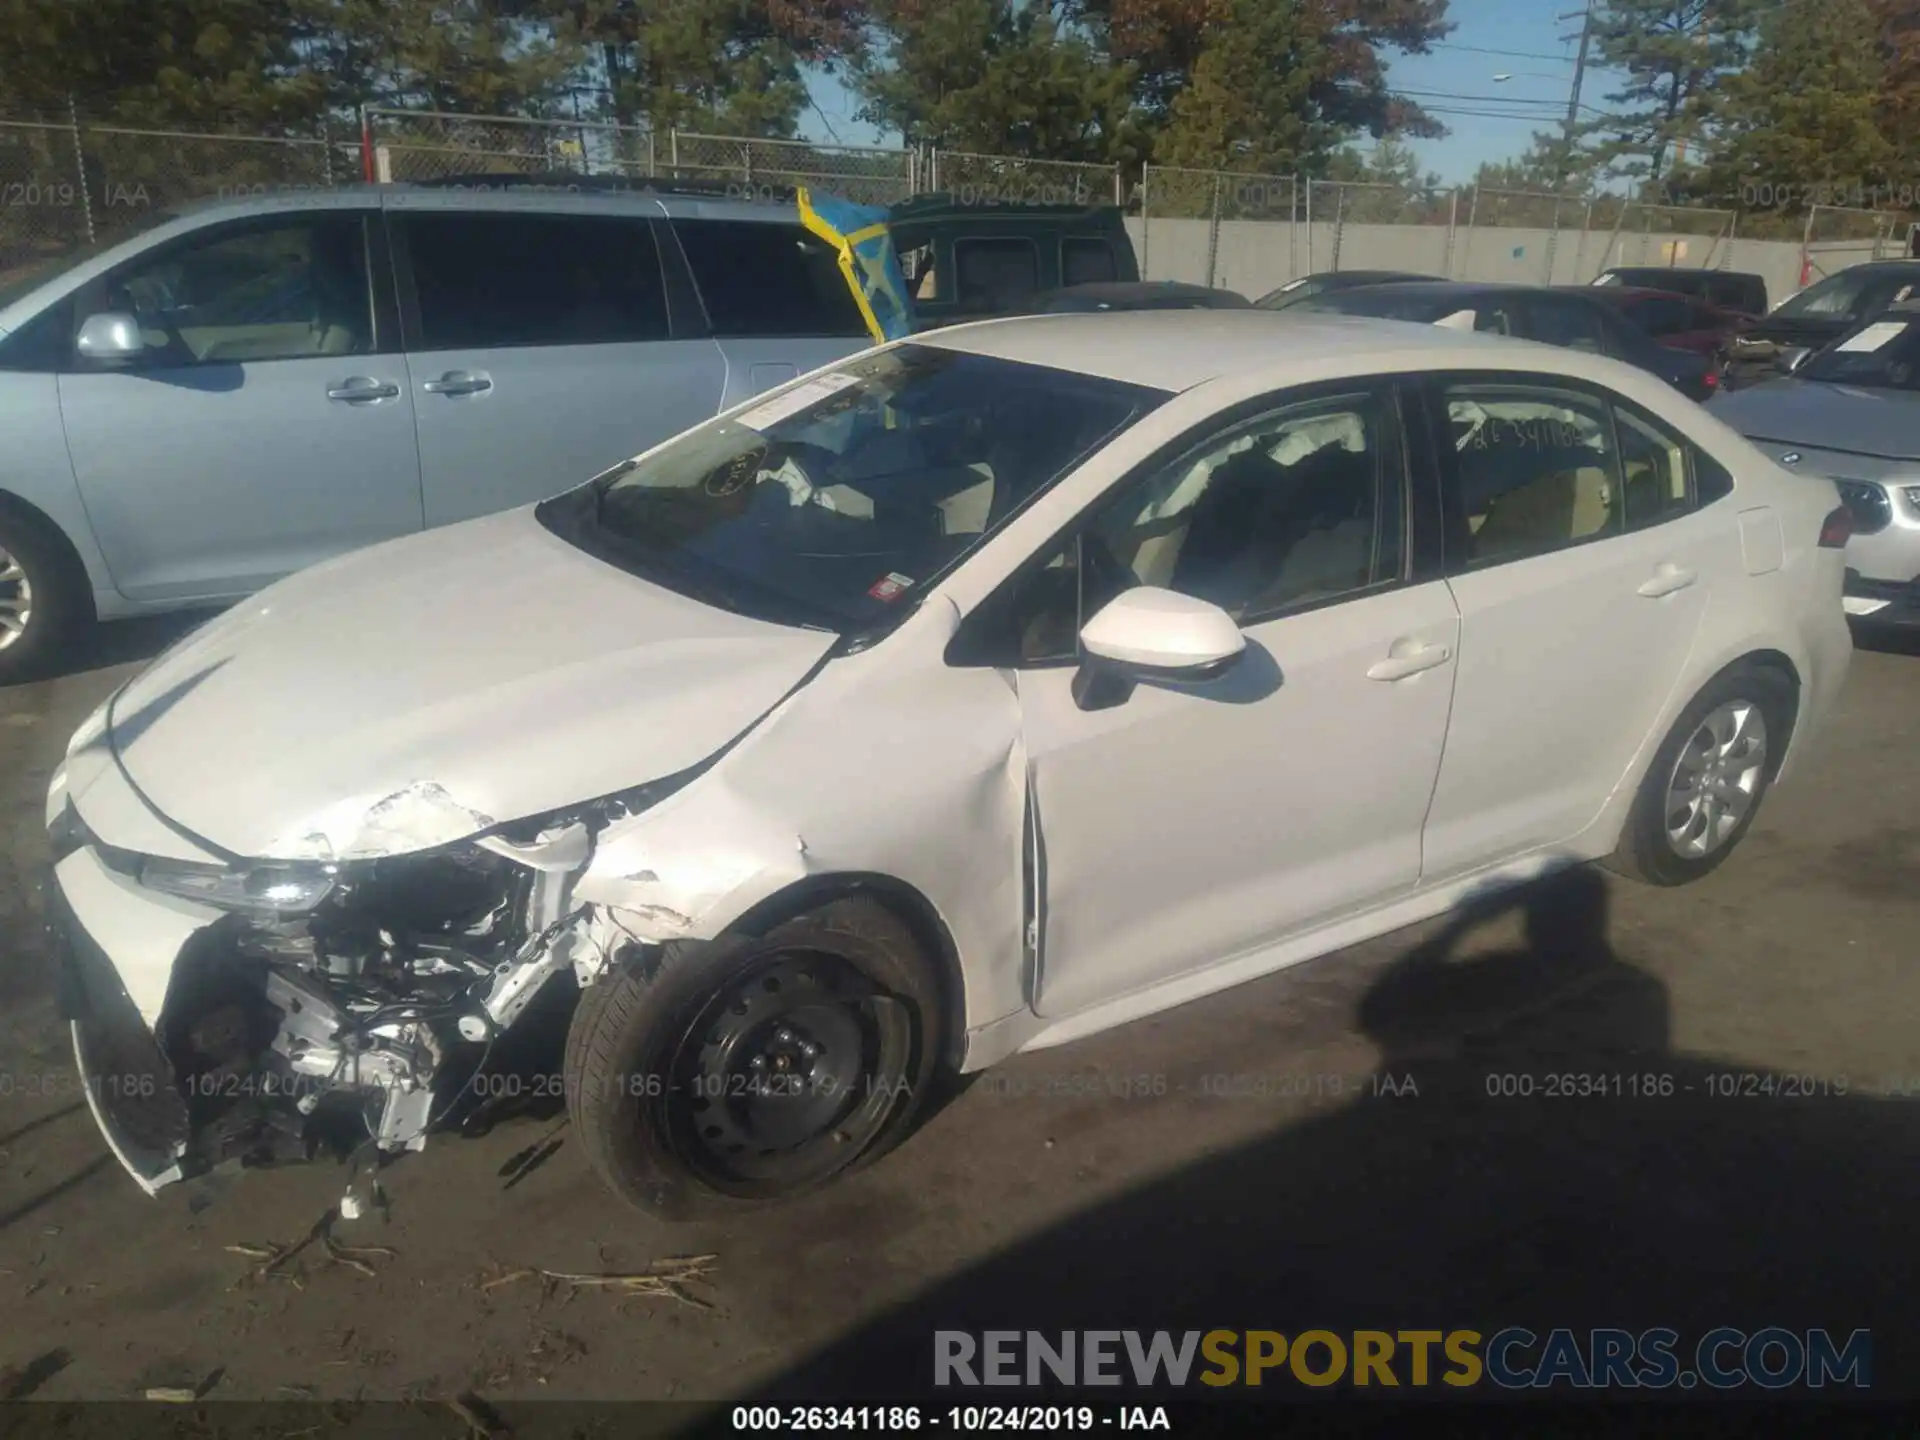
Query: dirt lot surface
column 1111, row 1183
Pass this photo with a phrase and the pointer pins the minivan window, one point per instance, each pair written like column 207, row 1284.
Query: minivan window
column 486, row 281
column 837, row 501
column 244, row 294
column 761, row 278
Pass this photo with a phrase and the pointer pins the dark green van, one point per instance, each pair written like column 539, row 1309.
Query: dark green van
column 970, row 261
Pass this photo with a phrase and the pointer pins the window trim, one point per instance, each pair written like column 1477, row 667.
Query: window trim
column 1458, row 539
column 86, row 299
column 413, row 335
column 969, row 652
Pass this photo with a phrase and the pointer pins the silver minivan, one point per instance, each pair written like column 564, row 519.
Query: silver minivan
column 251, row 386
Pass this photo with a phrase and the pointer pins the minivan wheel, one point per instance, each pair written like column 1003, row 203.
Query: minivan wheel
column 1704, row 787
column 43, row 599
column 752, row 1068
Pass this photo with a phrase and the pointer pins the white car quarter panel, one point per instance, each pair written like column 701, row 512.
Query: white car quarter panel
column 1189, row 825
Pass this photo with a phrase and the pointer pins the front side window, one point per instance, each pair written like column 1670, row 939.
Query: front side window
column 488, row 281
column 1534, row 469
column 760, row 278
column 838, row 501
column 281, row 292
column 996, row 273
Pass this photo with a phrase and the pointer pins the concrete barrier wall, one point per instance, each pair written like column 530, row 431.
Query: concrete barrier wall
column 1255, row 256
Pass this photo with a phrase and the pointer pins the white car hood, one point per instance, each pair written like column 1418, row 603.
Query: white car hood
column 420, row 691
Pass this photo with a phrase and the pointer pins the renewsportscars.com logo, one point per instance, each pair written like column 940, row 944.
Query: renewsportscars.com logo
column 1511, row 1359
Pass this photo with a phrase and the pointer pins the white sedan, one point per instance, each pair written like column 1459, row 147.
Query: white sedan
column 971, row 696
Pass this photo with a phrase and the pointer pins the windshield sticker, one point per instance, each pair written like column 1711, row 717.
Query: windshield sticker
column 791, row 402
column 1874, row 337
column 890, row 587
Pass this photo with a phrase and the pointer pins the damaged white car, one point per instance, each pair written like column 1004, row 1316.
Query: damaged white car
column 976, row 694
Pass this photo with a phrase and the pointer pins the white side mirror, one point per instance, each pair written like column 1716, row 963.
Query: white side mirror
column 110, row 335
column 1147, row 633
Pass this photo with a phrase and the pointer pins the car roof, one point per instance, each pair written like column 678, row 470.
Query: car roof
column 1123, row 292
column 512, row 193
column 1678, row 270
column 1179, row 349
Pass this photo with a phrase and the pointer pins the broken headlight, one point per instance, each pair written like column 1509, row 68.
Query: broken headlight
column 258, row 889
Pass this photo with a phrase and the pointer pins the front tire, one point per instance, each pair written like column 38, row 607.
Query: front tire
column 752, row 1068
column 1702, row 791
column 44, row 600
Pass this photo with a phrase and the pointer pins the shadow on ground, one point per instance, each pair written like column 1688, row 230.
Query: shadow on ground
column 1689, row 1195
column 119, row 642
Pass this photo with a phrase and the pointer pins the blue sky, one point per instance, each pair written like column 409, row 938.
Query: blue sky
column 1486, row 119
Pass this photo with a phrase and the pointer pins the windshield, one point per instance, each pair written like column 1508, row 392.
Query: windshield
column 1833, row 298
column 1882, row 356
column 839, row 500
column 1387, row 303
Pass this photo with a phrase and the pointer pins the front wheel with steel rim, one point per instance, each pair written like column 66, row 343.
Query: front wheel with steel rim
column 1706, row 781
column 752, row 1068
column 43, row 593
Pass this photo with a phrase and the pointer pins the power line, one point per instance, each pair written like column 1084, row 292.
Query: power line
column 1516, row 54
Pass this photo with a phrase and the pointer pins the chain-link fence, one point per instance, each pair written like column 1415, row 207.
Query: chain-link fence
column 1016, row 180
column 1363, row 225
column 1526, row 237
column 866, row 174
column 43, row 195
column 1837, row 236
column 424, row 145
column 1231, row 229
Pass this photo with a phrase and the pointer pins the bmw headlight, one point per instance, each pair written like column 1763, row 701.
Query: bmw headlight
column 258, row 889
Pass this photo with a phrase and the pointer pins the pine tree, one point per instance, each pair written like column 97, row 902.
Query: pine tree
column 1676, row 54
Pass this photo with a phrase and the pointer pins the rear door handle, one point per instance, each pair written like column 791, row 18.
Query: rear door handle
column 458, row 382
column 1666, row 580
column 1399, row 667
column 359, row 387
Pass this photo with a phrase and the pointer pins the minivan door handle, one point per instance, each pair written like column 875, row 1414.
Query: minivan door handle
column 359, row 387
column 458, row 382
column 1410, row 662
column 1666, row 580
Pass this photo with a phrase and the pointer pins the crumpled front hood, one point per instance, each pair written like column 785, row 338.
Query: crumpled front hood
column 411, row 694
column 1820, row 416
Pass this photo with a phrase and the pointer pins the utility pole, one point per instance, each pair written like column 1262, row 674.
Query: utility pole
column 1585, row 17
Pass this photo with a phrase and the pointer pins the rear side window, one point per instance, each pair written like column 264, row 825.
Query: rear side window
column 759, row 278
column 996, row 273
column 1568, row 324
column 1664, row 315
column 493, row 281
column 1086, row 261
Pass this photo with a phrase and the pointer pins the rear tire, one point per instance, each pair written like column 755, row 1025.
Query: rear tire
column 1708, row 778
column 748, row 1069
column 44, row 598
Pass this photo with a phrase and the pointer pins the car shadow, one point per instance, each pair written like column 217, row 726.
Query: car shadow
column 118, row 642
column 1530, row 1150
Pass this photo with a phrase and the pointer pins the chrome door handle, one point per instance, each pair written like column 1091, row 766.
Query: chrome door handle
column 1666, row 580
column 458, row 382
column 358, row 387
column 1399, row 667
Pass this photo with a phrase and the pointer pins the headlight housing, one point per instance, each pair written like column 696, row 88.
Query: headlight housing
column 265, row 889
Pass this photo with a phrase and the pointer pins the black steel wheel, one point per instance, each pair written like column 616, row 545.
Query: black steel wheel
column 748, row 1069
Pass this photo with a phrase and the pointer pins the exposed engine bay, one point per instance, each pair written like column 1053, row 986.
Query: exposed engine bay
column 342, row 1005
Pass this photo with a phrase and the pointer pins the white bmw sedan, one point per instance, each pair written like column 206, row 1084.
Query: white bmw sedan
column 973, row 695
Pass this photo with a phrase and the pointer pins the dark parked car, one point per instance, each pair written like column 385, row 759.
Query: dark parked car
column 1329, row 281
column 1820, row 315
column 1736, row 290
column 1137, row 295
column 966, row 260
column 1574, row 319
column 1680, row 322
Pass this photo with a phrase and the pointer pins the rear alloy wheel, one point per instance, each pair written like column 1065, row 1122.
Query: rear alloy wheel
column 754, row 1068
column 1708, row 778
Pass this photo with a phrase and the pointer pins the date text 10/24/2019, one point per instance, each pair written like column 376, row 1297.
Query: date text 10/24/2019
column 960, row 1419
